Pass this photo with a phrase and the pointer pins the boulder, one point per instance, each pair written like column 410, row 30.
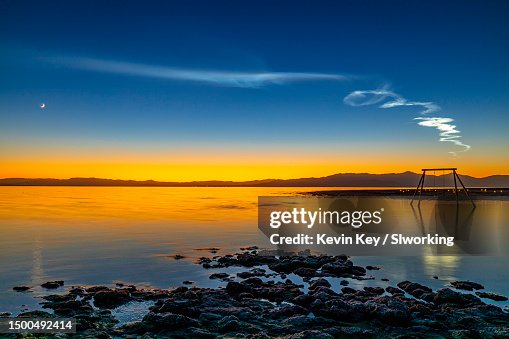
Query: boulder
column 492, row 296
column 448, row 296
column 53, row 284
column 111, row 298
column 168, row 321
column 20, row 288
column 319, row 282
column 466, row 285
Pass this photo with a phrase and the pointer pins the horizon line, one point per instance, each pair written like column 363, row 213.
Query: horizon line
column 235, row 181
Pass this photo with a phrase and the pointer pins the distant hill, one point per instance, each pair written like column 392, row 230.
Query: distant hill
column 406, row 179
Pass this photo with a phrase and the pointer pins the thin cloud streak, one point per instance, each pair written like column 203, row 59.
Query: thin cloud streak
column 388, row 99
column 221, row 78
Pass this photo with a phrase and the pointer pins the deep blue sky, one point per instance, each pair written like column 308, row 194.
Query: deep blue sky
column 451, row 53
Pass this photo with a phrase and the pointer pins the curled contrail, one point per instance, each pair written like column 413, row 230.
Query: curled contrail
column 384, row 97
column 388, row 99
column 221, row 78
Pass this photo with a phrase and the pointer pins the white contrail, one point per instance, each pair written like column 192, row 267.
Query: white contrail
column 222, row 78
column 388, row 99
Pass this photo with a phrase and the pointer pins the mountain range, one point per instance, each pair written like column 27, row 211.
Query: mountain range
column 405, row 179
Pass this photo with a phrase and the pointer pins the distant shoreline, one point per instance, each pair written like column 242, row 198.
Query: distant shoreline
column 442, row 194
column 354, row 180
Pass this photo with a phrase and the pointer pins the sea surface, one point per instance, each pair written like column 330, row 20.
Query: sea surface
column 106, row 235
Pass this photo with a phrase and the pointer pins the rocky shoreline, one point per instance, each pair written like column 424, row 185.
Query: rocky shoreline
column 255, row 306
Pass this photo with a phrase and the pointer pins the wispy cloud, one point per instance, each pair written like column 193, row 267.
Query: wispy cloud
column 213, row 77
column 385, row 98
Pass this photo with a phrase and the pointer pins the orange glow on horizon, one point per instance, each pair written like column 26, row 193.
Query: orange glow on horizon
column 232, row 162
column 217, row 171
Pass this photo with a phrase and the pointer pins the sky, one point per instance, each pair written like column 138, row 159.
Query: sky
column 223, row 90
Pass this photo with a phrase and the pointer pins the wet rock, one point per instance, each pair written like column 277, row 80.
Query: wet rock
column 428, row 296
column 492, row 296
column 5, row 314
column 193, row 332
column 466, row 285
column 306, row 272
column 309, row 334
column 67, row 307
column 176, row 306
column 343, row 269
column 256, row 308
column 36, row 314
column 348, row 290
column 58, row 298
column 494, row 332
column 362, row 278
column 204, row 260
column 288, row 264
column 307, row 322
column 180, row 289
column 322, row 290
column 320, row 282
column 384, row 279
column 421, row 309
column 304, row 300
column 188, row 282
column 250, row 248
column 344, row 283
column 265, row 290
column 318, row 261
column 285, row 266
column 220, row 276
column 168, row 321
column 249, row 260
column 111, row 298
column 374, row 290
column 372, row 268
column 448, row 296
column 257, row 272
column 342, row 310
column 228, row 324
column 242, row 296
column 391, row 311
column 414, row 289
column 20, row 288
column 409, row 286
column 350, row 332
column 178, row 256
column 94, row 289
column 53, row 284
column 77, row 291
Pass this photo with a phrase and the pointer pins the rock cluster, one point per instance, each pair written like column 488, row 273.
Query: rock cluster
column 256, row 306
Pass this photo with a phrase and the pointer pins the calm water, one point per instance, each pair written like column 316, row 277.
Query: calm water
column 103, row 235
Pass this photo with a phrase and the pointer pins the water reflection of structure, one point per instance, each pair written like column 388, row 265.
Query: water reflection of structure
column 454, row 219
